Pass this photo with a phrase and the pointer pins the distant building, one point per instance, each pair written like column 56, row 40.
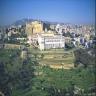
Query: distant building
column 34, row 27
column 82, row 40
column 67, row 39
column 52, row 27
column 58, row 29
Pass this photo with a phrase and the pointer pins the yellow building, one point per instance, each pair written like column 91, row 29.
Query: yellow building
column 34, row 27
column 87, row 36
column 37, row 27
column 29, row 29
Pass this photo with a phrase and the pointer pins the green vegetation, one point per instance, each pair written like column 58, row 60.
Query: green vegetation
column 26, row 77
column 85, row 57
column 62, row 78
column 15, row 73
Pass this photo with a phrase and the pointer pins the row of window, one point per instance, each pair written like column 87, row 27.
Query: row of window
column 53, row 45
column 52, row 40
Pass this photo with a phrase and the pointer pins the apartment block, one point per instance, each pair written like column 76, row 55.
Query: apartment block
column 48, row 42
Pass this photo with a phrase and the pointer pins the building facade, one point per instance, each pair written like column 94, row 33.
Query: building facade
column 48, row 42
column 34, row 27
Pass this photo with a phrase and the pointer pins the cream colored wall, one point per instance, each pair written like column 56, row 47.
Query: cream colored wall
column 36, row 26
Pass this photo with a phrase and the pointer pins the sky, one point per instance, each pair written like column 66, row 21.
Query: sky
column 67, row 11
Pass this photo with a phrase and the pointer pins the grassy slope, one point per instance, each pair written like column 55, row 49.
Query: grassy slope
column 83, row 78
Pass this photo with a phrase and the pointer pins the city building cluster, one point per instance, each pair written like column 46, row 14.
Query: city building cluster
column 46, row 36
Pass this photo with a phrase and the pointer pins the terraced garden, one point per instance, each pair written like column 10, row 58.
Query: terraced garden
column 55, row 58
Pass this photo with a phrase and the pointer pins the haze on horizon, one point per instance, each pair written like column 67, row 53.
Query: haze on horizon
column 67, row 11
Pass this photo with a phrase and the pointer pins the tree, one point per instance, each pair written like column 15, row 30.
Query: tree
column 80, row 56
column 42, row 56
column 4, row 81
column 69, row 45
